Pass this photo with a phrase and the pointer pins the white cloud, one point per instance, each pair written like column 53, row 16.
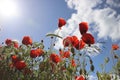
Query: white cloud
column 108, row 24
column 113, row 3
column 91, row 77
column 106, row 20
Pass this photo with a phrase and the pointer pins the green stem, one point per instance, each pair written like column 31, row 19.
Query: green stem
column 112, row 56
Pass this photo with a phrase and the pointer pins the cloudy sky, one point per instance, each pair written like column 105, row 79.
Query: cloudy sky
column 38, row 17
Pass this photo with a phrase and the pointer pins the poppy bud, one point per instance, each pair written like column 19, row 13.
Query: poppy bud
column 92, row 67
column 91, row 61
column 83, row 27
column 61, row 22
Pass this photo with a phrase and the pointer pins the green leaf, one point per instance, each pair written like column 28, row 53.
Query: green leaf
column 53, row 35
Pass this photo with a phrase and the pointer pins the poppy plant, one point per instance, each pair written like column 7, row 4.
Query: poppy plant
column 81, row 77
column 33, row 54
column 88, row 38
column 36, row 52
column 55, row 58
column 27, row 40
column 61, row 22
column 73, row 63
column 65, row 54
column 67, row 41
column 115, row 47
column 79, row 44
column 83, row 27
column 15, row 44
column 20, row 65
column 31, row 61
column 74, row 40
column 14, row 58
column 8, row 42
column 39, row 52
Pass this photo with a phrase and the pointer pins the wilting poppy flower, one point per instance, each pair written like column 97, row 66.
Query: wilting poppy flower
column 8, row 42
column 67, row 41
column 27, row 40
column 33, row 54
column 81, row 77
column 79, row 44
column 73, row 63
column 83, row 27
column 55, row 58
column 39, row 52
column 61, row 22
column 20, row 65
column 115, row 47
column 88, row 38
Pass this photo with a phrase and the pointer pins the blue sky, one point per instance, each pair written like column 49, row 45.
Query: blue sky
column 38, row 17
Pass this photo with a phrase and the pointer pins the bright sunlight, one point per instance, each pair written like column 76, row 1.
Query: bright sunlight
column 8, row 8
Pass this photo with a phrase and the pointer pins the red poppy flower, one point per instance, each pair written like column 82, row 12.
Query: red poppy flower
column 66, row 54
column 55, row 58
column 79, row 44
column 67, row 41
column 61, row 22
column 81, row 77
column 20, row 65
column 115, row 47
column 15, row 44
column 73, row 63
column 15, row 58
column 74, row 40
column 88, row 38
column 83, row 27
column 8, row 42
column 33, row 54
column 61, row 52
column 27, row 40
column 39, row 52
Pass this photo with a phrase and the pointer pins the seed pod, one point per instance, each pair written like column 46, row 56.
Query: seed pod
column 92, row 68
column 84, row 71
column 80, row 54
column 91, row 62
column 115, row 56
column 42, row 41
column 72, row 50
column 52, row 37
column 80, row 71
